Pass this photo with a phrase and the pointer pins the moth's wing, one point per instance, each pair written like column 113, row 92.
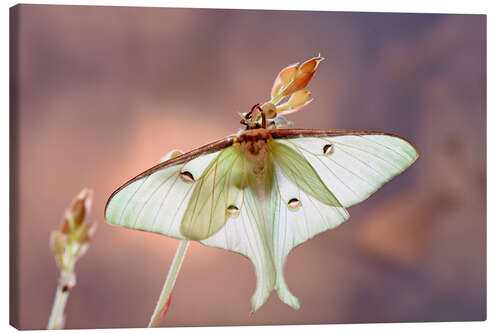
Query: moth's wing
column 298, row 169
column 300, row 207
column 352, row 164
column 161, row 201
column 215, row 193
column 157, row 199
column 244, row 233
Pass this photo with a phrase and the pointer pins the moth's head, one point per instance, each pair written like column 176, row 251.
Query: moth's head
column 259, row 116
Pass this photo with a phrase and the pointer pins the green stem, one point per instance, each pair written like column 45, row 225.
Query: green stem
column 164, row 299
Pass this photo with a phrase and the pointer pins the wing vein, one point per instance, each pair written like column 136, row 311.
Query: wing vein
column 222, row 178
column 129, row 199
column 139, row 213
column 363, row 162
column 388, row 148
column 155, row 219
column 340, row 180
column 368, row 152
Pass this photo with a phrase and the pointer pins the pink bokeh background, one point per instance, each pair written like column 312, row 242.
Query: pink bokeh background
column 101, row 93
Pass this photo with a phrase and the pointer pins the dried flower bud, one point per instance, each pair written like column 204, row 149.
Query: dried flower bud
column 269, row 110
column 83, row 249
column 65, row 228
column 75, row 214
column 284, row 77
column 297, row 101
column 58, row 242
column 311, row 65
column 91, row 232
column 82, row 232
column 85, row 233
column 75, row 233
column 81, row 206
column 78, row 211
column 304, row 75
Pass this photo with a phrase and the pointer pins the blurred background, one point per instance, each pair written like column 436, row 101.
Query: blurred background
column 101, row 93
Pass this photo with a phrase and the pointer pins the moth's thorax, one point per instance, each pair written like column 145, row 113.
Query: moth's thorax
column 253, row 140
column 254, row 144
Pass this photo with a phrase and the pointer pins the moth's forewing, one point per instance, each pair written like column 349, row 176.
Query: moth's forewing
column 289, row 133
column 140, row 203
column 352, row 164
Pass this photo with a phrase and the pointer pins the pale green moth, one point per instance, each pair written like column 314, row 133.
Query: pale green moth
column 264, row 190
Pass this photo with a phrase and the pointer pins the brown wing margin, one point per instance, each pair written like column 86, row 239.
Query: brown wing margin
column 208, row 148
column 288, row 133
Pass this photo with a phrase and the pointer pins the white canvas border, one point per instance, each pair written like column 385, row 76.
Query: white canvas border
column 421, row 6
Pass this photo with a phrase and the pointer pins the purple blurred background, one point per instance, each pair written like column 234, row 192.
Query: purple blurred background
column 101, row 93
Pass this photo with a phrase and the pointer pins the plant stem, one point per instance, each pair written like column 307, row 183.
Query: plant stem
column 56, row 320
column 164, row 299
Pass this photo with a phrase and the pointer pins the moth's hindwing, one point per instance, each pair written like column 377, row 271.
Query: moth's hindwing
column 214, row 195
column 300, row 171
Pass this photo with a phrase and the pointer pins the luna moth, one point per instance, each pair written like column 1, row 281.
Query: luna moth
column 262, row 191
